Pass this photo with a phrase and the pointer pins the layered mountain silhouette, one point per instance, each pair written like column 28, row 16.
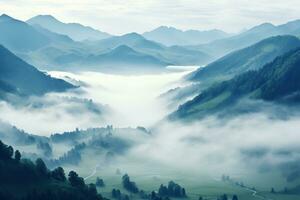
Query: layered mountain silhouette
column 278, row 81
column 75, row 31
column 176, row 55
column 170, row 36
column 18, row 77
column 19, row 36
column 124, row 55
column 249, row 37
column 249, row 58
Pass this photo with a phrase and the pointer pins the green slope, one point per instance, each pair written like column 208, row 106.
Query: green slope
column 250, row 58
column 277, row 81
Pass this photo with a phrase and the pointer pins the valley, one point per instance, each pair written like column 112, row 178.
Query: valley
column 163, row 114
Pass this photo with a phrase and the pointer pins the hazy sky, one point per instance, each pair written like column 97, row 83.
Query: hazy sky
column 121, row 16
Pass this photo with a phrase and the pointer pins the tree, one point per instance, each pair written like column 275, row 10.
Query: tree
column 129, row 185
column 17, row 155
column 99, row 182
column 75, row 180
column 234, row 197
column 272, row 190
column 224, row 197
column 41, row 167
column 10, row 151
column 58, row 174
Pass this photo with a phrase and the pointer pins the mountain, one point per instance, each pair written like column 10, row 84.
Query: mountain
column 250, row 58
column 124, row 56
column 131, row 39
column 278, row 81
column 19, row 36
column 170, row 36
column 75, row 31
column 17, row 75
column 54, row 37
column 223, row 46
column 176, row 55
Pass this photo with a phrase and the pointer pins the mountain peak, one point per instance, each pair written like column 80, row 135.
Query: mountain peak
column 5, row 17
column 122, row 48
column 43, row 17
column 262, row 26
column 132, row 35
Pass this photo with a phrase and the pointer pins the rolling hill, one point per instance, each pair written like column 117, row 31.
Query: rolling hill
column 277, row 81
column 250, row 58
column 75, row 31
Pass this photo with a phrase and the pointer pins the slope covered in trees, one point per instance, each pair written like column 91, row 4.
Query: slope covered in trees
column 23, row 179
column 277, row 81
column 251, row 58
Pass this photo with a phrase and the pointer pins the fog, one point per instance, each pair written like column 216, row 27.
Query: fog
column 121, row 100
column 133, row 98
column 239, row 146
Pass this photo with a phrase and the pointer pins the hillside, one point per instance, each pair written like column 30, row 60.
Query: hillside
column 26, row 79
column 250, row 58
column 75, row 31
column 23, row 179
column 277, row 81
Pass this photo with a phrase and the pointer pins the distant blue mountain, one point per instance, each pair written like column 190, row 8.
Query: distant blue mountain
column 224, row 46
column 171, row 36
column 75, row 31
column 175, row 54
column 126, row 56
column 19, row 36
column 18, row 77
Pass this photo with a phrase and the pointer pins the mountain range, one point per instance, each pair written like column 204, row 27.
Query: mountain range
column 171, row 36
column 53, row 50
column 12, row 30
column 220, row 47
column 75, row 31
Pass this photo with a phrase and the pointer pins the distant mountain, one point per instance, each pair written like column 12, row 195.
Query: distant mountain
column 224, row 46
column 250, row 58
column 170, row 36
column 19, row 77
column 277, row 81
column 131, row 39
column 124, row 56
column 75, row 31
column 176, row 55
column 19, row 36
column 54, row 37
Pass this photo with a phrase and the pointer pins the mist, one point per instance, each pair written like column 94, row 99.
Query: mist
column 246, row 144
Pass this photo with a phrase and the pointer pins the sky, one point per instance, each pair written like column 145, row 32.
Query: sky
column 123, row 16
